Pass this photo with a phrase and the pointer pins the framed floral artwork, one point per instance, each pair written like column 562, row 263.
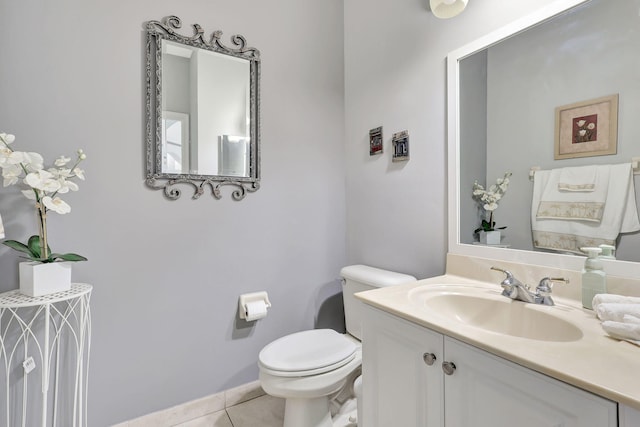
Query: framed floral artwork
column 588, row 128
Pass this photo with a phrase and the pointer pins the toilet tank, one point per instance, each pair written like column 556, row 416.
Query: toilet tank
column 358, row 278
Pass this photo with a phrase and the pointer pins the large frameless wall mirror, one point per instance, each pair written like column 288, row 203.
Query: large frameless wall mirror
column 202, row 111
column 502, row 93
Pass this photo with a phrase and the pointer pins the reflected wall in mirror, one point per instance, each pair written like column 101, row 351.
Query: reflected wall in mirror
column 503, row 90
column 202, row 111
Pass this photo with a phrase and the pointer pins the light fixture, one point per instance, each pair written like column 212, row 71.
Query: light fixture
column 447, row 8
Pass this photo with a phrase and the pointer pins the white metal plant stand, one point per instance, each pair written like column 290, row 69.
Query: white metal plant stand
column 45, row 340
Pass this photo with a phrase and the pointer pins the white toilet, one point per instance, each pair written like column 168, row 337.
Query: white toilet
column 310, row 368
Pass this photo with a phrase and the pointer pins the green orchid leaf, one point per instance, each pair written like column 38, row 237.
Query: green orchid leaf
column 34, row 246
column 20, row 247
column 68, row 257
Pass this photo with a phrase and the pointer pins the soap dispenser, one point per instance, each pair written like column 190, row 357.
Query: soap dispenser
column 608, row 251
column 593, row 277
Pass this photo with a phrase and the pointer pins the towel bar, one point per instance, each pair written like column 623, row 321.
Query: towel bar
column 635, row 165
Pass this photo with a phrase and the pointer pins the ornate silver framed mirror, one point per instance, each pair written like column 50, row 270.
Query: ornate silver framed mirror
column 203, row 111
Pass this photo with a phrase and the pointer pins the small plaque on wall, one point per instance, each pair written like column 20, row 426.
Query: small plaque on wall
column 400, row 143
column 375, row 141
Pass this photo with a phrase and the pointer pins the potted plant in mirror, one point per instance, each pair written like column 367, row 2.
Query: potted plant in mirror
column 488, row 233
column 47, row 272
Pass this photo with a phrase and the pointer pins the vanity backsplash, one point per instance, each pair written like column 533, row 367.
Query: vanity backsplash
column 477, row 268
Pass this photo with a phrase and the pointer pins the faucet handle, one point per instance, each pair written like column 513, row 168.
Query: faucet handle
column 546, row 284
column 507, row 272
column 544, row 288
column 510, row 280
column 509, row 284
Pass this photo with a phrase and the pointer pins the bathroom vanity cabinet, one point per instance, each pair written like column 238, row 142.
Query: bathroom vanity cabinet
column 414, row 376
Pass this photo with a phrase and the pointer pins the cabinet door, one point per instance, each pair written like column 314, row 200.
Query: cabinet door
column 400, row 388
column 487, row 391
column 628, row 416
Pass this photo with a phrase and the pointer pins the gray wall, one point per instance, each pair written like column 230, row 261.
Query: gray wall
column 396, row 77
column 473, row 128
column 167, row 275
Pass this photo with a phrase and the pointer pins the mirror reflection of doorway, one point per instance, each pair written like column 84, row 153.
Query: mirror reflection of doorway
column 175, row 142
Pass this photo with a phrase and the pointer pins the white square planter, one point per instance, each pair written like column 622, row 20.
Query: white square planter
column 490, row 237
column 37, row 279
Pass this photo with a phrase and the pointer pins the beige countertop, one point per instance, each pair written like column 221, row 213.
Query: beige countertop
column 595, row 362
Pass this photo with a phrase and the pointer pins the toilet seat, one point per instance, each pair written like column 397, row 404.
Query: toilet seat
column 307, row 353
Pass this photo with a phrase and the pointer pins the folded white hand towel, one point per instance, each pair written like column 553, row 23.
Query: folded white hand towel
column 613, row 298
column 627, row 318
column 621, row 330
column 614, row 311
column 574, row 205
column 579, row 179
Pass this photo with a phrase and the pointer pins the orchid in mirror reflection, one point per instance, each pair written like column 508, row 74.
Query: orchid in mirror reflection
column 43, row 186
column 489, row 199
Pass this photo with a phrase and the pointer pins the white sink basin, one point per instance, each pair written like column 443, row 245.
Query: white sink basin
column 488, row 310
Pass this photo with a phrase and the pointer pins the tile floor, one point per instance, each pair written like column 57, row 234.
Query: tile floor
column 244, row 406
column 263, row 411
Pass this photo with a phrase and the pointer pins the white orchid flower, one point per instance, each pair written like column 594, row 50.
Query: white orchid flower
column 7, row 138
column 65, row 186
column 581, row 123
column 61, row 173
column 31, row 161
column 16, row 157
column 35, row 162
column 42, row 180
column 61, row 161
column 4, row 156
column 29, row 194
column 489, row 199
column 79, row 173
column 591, row 126
column 56, row 204
column 11, row 173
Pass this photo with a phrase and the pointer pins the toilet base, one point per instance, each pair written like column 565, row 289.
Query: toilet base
column 307, row 412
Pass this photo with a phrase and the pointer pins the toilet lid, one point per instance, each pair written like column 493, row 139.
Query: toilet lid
column 318, row 350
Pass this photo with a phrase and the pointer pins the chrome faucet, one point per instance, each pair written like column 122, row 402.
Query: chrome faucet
column 516, row 290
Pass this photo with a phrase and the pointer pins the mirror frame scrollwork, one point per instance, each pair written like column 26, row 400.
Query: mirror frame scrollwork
column 156, row 31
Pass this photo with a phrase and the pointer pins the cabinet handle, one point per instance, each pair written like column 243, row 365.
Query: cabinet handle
column 448, row 367
column 429, row 358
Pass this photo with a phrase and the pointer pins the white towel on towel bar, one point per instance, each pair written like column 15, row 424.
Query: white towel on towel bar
column 620, row 215
column 579, row 179
column 573, row 205
column 1, row 229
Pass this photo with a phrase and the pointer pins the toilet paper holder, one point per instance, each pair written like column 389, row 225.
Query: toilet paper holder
column 248, row 299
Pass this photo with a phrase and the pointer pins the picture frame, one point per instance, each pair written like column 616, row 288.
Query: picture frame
column 400, row 143
column 588, row 128
column 375, row 141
